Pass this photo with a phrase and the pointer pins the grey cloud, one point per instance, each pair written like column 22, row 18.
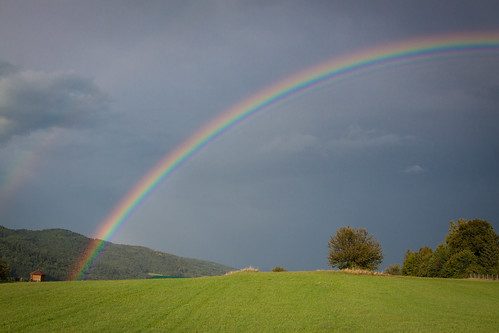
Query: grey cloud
column 6, row 68
column 355, row 138
column 31, row 101
column 358, row 138
column 292, row 143
column 414, row 169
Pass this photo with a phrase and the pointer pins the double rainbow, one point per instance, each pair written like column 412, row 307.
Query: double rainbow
column 295, row 85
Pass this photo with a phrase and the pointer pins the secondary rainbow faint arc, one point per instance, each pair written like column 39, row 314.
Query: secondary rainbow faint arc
column 304, row 81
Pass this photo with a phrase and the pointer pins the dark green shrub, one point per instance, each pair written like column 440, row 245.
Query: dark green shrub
column 393, row 269
column 279, row 269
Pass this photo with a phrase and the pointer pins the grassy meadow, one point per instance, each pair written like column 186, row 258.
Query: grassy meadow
column 321, row 301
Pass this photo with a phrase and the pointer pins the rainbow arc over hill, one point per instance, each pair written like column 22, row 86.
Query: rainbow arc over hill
column 399, row 53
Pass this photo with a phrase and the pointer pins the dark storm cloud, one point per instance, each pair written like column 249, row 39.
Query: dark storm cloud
column 396, row 151
column 31, row 101
column 6, row 68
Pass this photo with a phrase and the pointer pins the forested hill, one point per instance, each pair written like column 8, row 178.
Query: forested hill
column 55, row 252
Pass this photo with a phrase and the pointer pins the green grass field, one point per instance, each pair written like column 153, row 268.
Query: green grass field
column 255, row 302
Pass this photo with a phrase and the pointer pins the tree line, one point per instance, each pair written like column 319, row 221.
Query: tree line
column 471, row 247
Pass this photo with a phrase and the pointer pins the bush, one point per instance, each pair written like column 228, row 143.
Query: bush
column 279, row 269
column 393, row 269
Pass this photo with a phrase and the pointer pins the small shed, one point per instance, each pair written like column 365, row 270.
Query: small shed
column 37, row 276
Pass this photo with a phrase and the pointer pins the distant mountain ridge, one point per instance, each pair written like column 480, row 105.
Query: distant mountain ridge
column 56, row 251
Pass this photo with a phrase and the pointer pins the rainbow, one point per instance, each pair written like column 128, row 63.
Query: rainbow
column 293, row 86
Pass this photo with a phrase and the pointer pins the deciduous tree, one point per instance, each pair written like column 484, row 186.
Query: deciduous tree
column 418, row 263
column 438, row 260
column 478, row 237
column 354, row 248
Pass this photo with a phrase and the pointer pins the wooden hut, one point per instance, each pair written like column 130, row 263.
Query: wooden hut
column 37, row 276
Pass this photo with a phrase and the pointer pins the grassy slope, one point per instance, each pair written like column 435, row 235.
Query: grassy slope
column 295, row 301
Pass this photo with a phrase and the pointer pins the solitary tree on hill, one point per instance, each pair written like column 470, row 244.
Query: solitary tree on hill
column 354, row 248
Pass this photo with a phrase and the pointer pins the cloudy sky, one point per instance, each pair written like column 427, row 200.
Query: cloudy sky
column 94, row 93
